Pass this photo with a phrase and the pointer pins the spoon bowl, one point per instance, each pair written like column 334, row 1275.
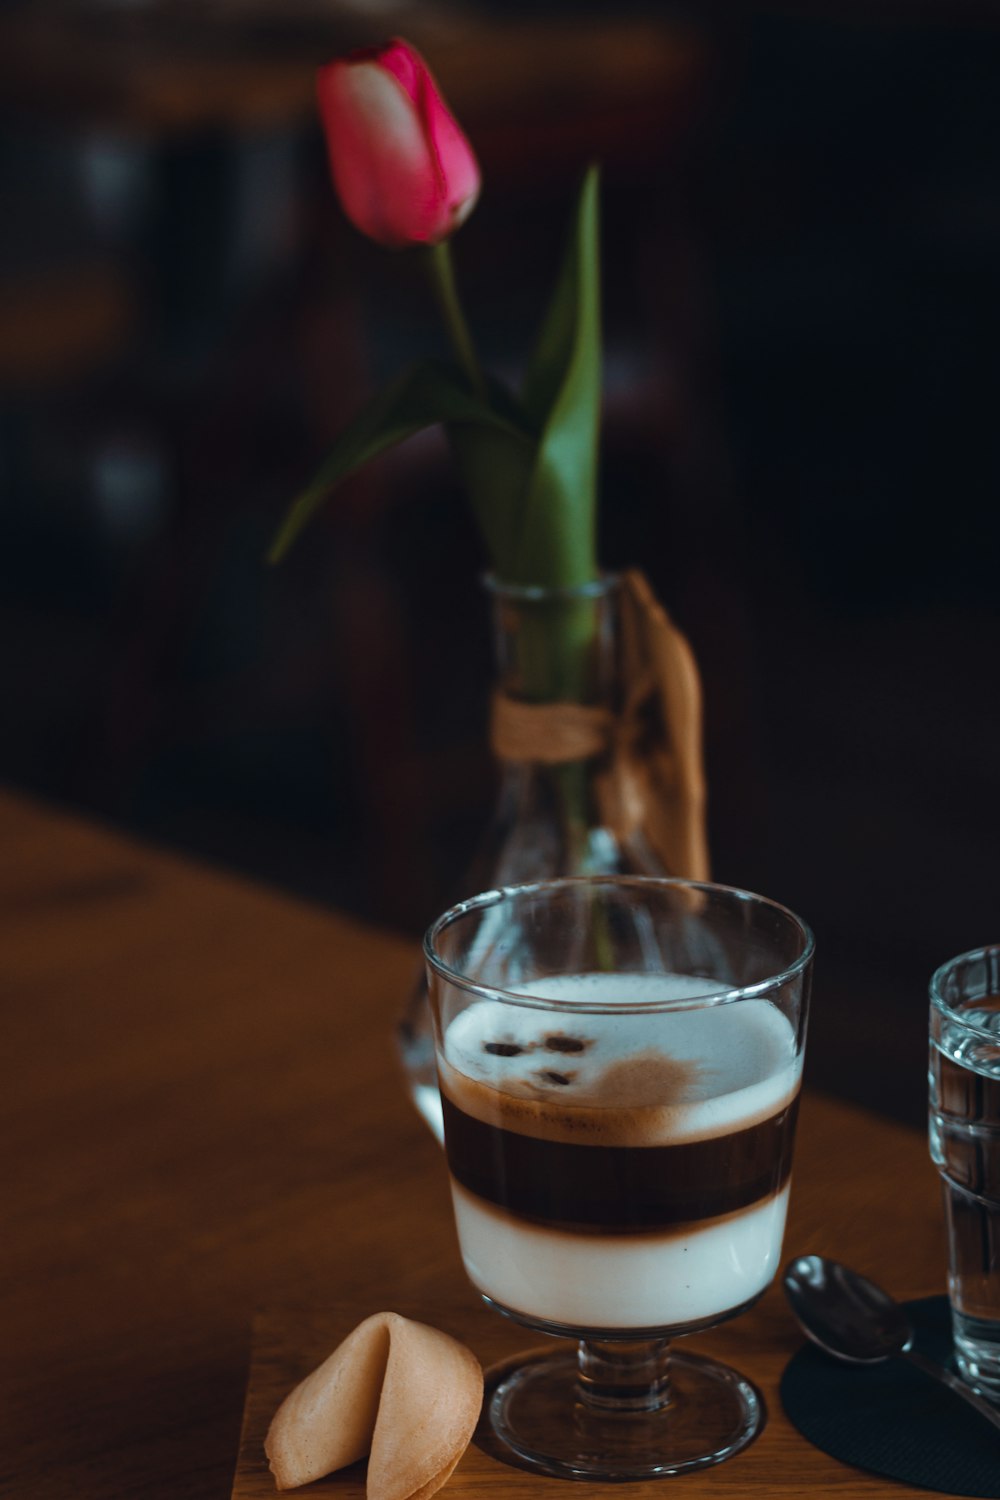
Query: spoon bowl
column 854, row 1320
column 845, row 1313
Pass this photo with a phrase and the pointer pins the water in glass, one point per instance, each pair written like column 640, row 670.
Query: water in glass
column 965, row 1146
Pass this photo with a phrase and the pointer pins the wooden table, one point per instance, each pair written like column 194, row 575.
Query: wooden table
column 201, row 1116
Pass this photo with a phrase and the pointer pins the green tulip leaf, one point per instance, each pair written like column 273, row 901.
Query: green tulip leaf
column 430, row 393
column 495, row 468
column 554, row 346
column 562, row 400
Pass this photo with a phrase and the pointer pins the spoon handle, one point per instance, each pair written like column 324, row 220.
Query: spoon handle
column 953, row 1383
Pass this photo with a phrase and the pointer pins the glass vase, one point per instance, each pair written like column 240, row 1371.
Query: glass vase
column 572, row 798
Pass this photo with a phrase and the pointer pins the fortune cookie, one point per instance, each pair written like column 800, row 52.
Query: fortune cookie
column 407, row 1395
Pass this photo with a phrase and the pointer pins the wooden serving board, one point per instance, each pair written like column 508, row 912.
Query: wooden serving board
column 289, row 1342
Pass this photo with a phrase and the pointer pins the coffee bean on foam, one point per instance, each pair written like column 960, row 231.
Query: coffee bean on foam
column 621, row 1078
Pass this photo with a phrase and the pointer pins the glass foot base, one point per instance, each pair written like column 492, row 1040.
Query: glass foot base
column 536, row 1418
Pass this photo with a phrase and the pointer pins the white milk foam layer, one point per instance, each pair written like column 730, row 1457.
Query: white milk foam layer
column 620, row 1281
column 657, row 1078
column 660, row 1078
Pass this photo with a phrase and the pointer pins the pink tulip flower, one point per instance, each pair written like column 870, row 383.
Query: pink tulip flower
column 404, row 172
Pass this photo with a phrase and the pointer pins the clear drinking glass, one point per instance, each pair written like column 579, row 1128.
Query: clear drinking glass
column 965, row 1147
column 619, row 1061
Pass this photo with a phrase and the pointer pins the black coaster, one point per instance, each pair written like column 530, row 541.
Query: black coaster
column 893, row 1419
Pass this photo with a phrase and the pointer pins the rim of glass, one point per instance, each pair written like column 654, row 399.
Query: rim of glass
column 598, row 1007
column 538, row 593
column 941, row 973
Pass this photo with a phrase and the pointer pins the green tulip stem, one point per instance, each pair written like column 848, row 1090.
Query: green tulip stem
column 442, row 277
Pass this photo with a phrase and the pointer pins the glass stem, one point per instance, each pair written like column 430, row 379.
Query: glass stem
column 624, row 1377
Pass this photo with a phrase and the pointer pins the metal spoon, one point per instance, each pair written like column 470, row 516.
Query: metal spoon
column 854, row 1320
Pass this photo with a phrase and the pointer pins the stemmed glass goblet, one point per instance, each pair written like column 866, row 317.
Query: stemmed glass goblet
column 619, row 1061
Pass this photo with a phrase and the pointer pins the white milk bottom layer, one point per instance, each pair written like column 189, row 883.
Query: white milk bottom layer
column 620, row 1281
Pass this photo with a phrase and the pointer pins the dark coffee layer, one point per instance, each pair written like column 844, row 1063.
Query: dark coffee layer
column 619, row 1189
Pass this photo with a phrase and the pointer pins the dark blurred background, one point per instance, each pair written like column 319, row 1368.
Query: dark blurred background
column 802, row 263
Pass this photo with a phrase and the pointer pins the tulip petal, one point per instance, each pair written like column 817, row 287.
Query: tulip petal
column 381, row 167
column 403, row 170
column 457, row 167
column 406, row 66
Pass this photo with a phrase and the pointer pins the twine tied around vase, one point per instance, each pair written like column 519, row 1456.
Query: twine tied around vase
column 654, row 781
column 550, row 733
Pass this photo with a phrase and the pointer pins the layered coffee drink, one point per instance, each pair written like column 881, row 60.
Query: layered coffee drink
column 620, row 1170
